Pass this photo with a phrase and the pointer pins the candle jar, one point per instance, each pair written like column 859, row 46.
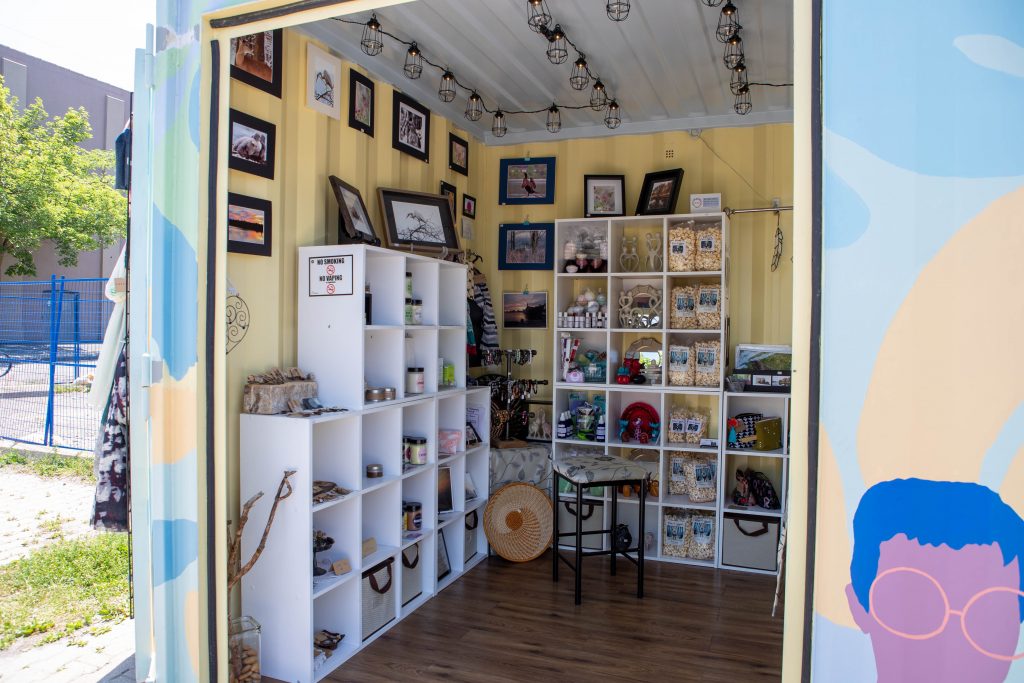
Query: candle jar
column 413, row 515
column 414, row 450
column 414, row 381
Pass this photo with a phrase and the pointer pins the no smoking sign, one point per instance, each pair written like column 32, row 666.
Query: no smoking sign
column 330, row 275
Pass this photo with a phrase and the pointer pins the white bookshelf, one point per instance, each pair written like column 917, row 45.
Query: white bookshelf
column 662, row 396
column 343, row 352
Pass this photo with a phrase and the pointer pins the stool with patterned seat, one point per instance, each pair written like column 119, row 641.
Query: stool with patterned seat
column 583, row 472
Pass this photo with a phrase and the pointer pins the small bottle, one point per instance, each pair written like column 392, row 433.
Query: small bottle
column 417, row 311
column 368, row 307
column 408, row 285
column 600, row 429
column 408, row 311
column 562, row 430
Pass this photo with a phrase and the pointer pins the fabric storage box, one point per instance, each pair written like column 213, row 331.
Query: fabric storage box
column 593, row 520
column 412, row 574
column 749, row 541
column 378, row 597
column 472, row 522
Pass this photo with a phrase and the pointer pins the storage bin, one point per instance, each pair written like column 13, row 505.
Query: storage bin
column 412, row 574
column 749, row 541
column 472, row 522
column 378, row 597
column 593, row 520
column 769, row 434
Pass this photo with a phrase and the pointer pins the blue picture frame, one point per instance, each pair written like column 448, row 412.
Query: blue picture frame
column 527, row 180
column 520, row 246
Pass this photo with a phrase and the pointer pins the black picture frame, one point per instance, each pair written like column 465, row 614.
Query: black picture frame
column 657, row 199
column 417, row 220
column 251, row 71
column 444, row 563
column 455, row 145
column 249, row 215
column 247, row 151
column 358, row 85
column 526, row 246
column 354, row 224
column 452, row 193
column 445, row 499
column 591, row 206
column 408, row 133
column 516, row 173
column 468, row 206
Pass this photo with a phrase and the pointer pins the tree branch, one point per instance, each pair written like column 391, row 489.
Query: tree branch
column 235, row 573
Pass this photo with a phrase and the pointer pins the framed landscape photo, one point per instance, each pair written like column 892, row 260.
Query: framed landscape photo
column 458, row 154
column 323, row 81
column 659, row 193
column 527, row 181
column 445, row 501
column 418, row 220
column 604, row 195
column 468, row 206
column 452, row 193
column 444, row 565
column 360, row 102
column 526, row 246
column 410, row 127
column 256, row 60
column 524, row 310
column 249, row 225
column 354, row 224
column 253, row 143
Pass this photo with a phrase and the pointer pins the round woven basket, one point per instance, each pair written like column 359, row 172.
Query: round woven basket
column 517, row 521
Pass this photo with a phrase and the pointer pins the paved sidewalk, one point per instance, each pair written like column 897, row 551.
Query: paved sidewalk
column 108, row 658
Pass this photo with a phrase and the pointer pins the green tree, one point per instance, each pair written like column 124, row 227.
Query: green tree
column 50, row 188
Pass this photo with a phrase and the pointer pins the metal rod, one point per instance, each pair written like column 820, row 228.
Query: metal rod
column 772, row 209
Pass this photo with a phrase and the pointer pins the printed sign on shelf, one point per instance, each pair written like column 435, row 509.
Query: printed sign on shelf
column 330, row 275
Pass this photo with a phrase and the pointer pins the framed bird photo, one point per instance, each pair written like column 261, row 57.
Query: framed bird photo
column 527, row 181
column 323, row 82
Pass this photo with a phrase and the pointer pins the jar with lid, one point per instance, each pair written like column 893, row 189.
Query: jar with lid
column 244, row 650
column 414, row 450
column 414, row 381
column 413, row 511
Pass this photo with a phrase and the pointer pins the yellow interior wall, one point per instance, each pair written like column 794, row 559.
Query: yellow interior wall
column 760, row 300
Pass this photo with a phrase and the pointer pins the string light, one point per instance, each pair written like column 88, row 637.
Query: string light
column 372, row 43
column 556, row 52
column 446, row 91
column 598, row 96
column 742, row 105
column 612, row 118
column 618, row 10
column 498, row 127
column 554, row 119
column 738, row 80
column 580, row 77
column 474, row 107
column 413, row 62
column 537, row 15
column 728, row 22
column 712, row 3
column 733, row 51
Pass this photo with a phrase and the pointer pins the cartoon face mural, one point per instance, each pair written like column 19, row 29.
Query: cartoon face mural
column 920, row 539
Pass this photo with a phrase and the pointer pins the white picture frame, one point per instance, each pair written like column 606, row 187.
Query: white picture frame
column 323, row 82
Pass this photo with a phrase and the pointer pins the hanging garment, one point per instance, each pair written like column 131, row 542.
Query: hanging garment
column 110, row 507
column 488, row 338
column 122, row 158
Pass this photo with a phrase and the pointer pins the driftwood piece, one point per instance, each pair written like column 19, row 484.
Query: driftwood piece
column 271, row 399
column 235, row 570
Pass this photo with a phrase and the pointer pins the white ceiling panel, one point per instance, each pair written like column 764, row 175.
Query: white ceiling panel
column 663, row 64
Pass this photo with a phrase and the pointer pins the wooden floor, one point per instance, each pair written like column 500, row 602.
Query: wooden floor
column 507, row 622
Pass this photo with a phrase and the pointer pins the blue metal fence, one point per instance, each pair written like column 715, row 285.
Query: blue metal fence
column 50, row 337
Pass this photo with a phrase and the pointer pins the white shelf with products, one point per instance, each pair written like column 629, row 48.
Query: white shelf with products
column 344, row 354
column 604, row 239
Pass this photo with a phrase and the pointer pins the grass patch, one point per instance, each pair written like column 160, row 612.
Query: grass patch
column 48, row 464
column 63, row 588
column 70, row 389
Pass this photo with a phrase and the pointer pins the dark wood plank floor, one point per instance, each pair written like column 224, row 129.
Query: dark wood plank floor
column 505, row 622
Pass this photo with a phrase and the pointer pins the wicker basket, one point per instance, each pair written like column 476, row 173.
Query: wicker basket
column 378, row 597
column 412, row 574
column 517, row 522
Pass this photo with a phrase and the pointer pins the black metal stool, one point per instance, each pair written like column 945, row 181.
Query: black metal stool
column 586, row 471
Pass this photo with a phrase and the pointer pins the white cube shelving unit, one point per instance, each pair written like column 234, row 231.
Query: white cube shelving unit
column 662, row 396
column 344, row 353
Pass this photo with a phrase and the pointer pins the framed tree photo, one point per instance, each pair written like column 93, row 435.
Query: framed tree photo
column 253, row 144
column 659, row 193
column 256, row 60
column 249, row 225
column 458, row 154
column 410, row 127
column 604, row 195
column 418, row 220
column 360, row 102
column 354, row 224
column 526, row 246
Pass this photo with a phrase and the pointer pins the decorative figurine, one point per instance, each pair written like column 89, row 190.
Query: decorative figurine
column 629, row 259
column 654, row 260
column 321, row 542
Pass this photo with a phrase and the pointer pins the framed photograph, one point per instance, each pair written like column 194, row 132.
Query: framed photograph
column 354, row 224
column 468, row 206
column 444, row 490
column 471, row 492
column 458, row 154
column 659, row 193
column 472, row 438
column 323, row 81
column 524, row 311
column 249, row 225
column 538, row 420
column 256, row 60
column 360, row 102
column 444, row 565
column 604, row 195
column 452, row 193
column 526, row 246
column 418, row 220
column 253, row 144
column 527, row 181
column 410, row 127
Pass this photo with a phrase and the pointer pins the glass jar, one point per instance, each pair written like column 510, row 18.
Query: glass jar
column 414, row 450
column 244, row 650
column 413, row 515
column 408, row 311
column 417, row 311
column 414, row 381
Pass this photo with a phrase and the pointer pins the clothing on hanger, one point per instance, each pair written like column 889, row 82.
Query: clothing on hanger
column 110, row 505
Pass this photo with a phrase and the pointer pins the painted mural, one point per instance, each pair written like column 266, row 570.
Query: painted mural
column 920, row 544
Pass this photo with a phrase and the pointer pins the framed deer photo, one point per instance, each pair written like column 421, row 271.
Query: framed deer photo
column 256, row 60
